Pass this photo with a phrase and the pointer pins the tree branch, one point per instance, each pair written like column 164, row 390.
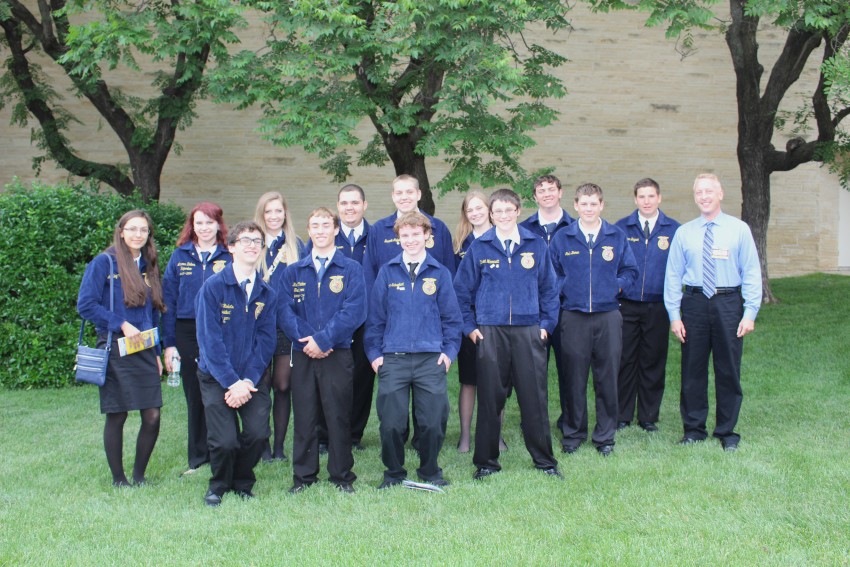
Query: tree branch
column 38, row 107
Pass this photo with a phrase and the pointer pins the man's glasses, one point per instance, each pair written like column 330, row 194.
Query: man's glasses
column 504, row 212
column 245, row 241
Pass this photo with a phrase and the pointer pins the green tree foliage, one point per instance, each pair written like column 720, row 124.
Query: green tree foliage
column 459, row 79
column 812, row 28
column 170, row 41
column 47, row 236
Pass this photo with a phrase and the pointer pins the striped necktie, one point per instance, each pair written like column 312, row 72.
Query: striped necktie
column 709, row 265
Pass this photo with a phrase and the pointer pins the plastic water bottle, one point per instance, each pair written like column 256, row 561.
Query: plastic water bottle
column 174, row 375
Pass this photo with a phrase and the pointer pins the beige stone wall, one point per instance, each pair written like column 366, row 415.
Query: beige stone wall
column 634, row 109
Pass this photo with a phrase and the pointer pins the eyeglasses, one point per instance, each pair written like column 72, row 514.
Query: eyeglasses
column 245, row 241
column 137, row 230
column 503, row 212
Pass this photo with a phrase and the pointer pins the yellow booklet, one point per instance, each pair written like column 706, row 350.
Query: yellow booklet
column 142, row 341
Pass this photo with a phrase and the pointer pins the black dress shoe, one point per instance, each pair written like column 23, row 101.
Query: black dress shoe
column 569, row 449
column 622, row 425
column 553, row 471
column 648, row 426
column 212, row 499
column 121, row 483
column 280, row 457
column 689, row 441
column 345, row 487
column 730, row 446
column 244, row 494
column 358, row 446
column 298, row 488
column 605, row 450
column 441, row 482
column 483, row 472
column 389, row 483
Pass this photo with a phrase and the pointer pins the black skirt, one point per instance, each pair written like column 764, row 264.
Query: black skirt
column 132, row 381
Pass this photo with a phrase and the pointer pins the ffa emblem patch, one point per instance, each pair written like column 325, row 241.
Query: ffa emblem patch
column 336, row 284
column 429, row 286
column 527, row 260
column 259, row 309
column 430, row 242
column 663, row 242
column 607, row 253
column 218, row 265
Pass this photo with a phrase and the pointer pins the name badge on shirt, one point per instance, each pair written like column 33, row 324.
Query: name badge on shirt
column 720, row 253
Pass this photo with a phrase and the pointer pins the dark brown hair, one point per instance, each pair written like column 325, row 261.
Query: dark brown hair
column 135, row 286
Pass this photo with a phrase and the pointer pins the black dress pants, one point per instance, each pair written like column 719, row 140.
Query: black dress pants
column 512, row 356
column 591, row 341
column 187, row 345
column 711, row 327
column 419, row 372
column 646, row 330
column 234, row 450
column 322, row 384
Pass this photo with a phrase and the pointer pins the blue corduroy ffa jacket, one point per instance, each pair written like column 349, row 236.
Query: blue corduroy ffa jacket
column 418, row 316
column 519, row 291
column 532, row 223
column 651, row 257
column 182, row 281
column 93, row 298
column 236, row 336
column 590, row 280
column 383, row 245
column 329, row 311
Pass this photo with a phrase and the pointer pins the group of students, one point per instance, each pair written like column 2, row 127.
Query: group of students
column 253, row 313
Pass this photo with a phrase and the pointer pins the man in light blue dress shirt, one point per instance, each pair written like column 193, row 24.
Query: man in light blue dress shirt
column 712, row 292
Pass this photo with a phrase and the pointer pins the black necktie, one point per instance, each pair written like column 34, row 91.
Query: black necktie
column 590, row 241
column 412, row 269
column 244, row 286
column 646, row 229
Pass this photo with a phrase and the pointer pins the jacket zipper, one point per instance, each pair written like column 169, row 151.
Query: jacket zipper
column 645, row 259
column 590, row 262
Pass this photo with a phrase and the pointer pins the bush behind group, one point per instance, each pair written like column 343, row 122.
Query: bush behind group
column 48, row 234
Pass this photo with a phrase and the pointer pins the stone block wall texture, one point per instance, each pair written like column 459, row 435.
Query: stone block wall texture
column 635, row 109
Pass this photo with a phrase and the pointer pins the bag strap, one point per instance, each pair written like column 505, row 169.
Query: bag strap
column 111, row 308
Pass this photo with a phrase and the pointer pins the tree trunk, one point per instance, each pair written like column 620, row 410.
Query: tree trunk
column 755, row 129
column 755, row 208
column 147, row 169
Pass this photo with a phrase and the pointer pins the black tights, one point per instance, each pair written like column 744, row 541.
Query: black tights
column 282, row 402
column 113, row 443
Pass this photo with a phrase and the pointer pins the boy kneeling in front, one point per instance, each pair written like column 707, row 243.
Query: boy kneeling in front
column 236, row 338
column 412, row 336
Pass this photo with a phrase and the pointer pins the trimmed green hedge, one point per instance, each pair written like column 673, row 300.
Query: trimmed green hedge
column 47, row 236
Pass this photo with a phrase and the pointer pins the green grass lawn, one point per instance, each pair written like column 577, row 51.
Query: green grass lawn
column 782, row 499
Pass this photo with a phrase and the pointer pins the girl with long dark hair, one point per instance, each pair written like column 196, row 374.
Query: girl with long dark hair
column 132, row 381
